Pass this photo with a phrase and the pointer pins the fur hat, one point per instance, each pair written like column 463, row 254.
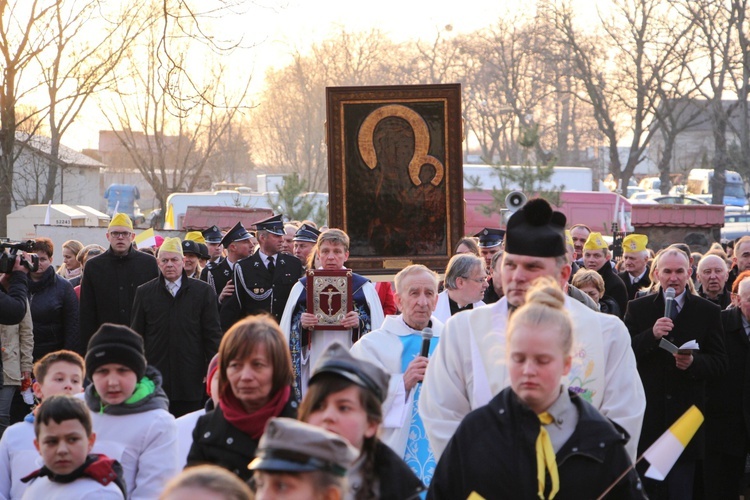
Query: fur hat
column 116, row 344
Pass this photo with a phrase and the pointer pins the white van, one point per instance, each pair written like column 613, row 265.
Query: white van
column 699, row 182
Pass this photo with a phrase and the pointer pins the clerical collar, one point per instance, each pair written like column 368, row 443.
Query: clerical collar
column 454, row 307
column 429, row 325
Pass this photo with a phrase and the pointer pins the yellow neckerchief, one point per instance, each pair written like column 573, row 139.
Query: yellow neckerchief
column 545, row 458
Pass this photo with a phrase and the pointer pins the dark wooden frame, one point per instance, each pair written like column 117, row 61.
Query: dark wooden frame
column 413, row 216
column 313, row 296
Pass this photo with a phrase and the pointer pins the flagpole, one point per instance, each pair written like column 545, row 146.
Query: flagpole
column 609, row 488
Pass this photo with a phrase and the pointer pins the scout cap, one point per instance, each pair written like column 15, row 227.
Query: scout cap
column 212, row 234
column 171, row 245
column 634, row 243
column 306, row 233
column 289, row 445
column 121, row 220
column 237, row 233
column 536, row 230
column 490, row 237
column 595, row 242
column 196, row 236
column 336, row 359
column 274, row 225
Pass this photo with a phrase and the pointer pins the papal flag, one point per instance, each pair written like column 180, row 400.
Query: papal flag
column 146, row 239
column 667, row 449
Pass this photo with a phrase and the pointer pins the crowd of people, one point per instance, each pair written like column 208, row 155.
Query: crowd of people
column 533, row 369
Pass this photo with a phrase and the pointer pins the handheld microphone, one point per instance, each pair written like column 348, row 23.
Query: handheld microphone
column 426, row 338
column 669, row 304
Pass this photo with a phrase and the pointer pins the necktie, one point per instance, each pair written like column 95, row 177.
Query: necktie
column 673, row 313
column 271, row 265
column 545, row 458
column 172, row 287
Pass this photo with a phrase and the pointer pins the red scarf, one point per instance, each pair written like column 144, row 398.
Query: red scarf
column 253, row 424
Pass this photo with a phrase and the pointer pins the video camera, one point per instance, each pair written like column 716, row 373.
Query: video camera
column 8, row 259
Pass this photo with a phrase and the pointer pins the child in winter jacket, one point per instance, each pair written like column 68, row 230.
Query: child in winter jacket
column 129, row 410
column 59, row 372
column 64, row 440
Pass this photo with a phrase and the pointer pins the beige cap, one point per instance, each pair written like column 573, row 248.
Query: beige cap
column 292, row 446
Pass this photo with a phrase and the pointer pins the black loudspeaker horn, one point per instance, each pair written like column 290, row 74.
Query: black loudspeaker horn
column 515, row 200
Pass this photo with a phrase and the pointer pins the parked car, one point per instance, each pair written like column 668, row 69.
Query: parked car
column 679, row 200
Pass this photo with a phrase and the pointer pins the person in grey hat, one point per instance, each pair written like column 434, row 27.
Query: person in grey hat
column 463, row 374
column 316, row 458
column 345, row 396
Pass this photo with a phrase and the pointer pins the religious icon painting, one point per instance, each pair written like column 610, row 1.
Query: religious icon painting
column 395, row 174
column 329, row 297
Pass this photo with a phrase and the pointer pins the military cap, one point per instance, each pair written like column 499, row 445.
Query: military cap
column 536, row 230
column 190, row 246
column 288, row 445
column 273, row 224
column 337, row 360
column 204, row 251
column 490, row 237
column 121, row 220
column 212, row 234
column 306, row 233
column 595, row 242
column 634, row 243
column 237, row 233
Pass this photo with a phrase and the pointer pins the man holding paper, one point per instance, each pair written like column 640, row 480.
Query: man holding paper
column 674, row 381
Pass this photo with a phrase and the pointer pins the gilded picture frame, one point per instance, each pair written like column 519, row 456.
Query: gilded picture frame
column 395, row 174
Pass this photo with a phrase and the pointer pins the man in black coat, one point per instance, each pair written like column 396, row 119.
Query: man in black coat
column 219, row 275
column 213, row 237
column 178, row 318
column 263, row 281
column 635, row 262
column 596, row 257
column 111, row 279
column 728, row 406
column 674, row 382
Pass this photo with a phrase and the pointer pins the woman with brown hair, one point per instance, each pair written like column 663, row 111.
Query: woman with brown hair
column 344, row 396
column 255, row 376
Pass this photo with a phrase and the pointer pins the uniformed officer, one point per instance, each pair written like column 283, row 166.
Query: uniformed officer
column 490, row 243
column 264, row 280
column 304, row 242
column 237, row 243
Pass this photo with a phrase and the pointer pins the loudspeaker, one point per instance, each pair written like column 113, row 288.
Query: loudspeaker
column 515, row 200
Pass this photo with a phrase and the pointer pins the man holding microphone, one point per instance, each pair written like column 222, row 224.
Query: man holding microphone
column 399, row 347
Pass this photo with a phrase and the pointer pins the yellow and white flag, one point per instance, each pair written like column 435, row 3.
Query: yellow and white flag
column 667, row 449
column 146, row 239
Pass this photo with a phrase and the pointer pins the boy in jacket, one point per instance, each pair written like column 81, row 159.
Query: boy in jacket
column 64, row 440
column 129, row 411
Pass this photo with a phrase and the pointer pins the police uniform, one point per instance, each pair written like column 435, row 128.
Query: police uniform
column 257, row 289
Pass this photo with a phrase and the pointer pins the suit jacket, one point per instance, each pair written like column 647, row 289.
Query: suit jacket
column 728, row 397
column 669, row 390
column 256, row 290
column 633, row 288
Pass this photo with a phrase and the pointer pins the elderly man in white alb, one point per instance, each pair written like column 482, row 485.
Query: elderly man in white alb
column 463, row 374
column 465, row 283
column 396, row 348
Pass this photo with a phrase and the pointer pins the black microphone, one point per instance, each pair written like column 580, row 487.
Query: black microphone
column 669, row 304
column 426, row 338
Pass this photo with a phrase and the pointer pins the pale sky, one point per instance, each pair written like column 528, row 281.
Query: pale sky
column 276, row 27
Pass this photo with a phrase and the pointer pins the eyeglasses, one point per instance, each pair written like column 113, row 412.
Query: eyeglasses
column 120, row 234
column 476, row 280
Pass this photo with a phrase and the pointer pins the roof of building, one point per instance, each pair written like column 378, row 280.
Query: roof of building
column 43, row 145
column 677, row 216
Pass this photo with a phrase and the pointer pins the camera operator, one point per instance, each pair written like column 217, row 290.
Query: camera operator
column 13, row 293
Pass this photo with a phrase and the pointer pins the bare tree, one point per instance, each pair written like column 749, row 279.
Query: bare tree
column 77, row 65
column 22, row 37
column 171, row 151
column 618, row 69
